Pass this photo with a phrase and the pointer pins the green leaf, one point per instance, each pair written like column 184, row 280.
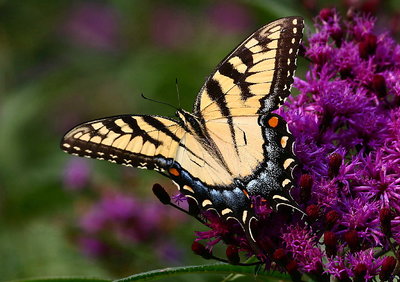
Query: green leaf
column 218, row 268
column 64, row 279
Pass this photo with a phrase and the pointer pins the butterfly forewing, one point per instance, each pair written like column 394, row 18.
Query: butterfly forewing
column 139, row 141
column 256, row 77
column 253, row 80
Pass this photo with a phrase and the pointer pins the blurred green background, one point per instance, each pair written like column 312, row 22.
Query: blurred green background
column 65, row 62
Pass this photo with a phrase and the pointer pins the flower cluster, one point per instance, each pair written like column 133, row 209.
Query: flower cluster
column 117, row 220
column 346, row 122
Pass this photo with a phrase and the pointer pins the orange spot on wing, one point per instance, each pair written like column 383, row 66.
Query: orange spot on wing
column 174, row 171
column 273, row 122
column 246, row 193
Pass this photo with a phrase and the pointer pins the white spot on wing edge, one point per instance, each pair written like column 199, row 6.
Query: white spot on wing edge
column 206, row 203
column 226, row 211
column 279, row 197
column 244, row 216
column 287, row 163
column 285, row 182
column 188, row 188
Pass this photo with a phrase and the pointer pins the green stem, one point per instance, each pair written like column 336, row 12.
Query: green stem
column 218, row 268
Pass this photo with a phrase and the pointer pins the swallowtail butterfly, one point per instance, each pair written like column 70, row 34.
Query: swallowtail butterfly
column 231, row 146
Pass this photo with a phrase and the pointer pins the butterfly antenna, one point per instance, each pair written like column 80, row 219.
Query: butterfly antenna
column 177, row 91
column 163, row 103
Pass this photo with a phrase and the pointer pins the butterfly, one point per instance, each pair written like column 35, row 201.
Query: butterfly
column 232, row 146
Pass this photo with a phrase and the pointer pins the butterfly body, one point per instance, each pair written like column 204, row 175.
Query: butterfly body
column 232, row 146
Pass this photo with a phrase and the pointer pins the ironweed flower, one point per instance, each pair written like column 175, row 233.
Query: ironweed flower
column 76, row 174
column 346, row 123
column 92, row 25
column 117, row 219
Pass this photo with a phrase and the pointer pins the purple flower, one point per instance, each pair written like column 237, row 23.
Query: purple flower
column 229, row 16
column 303, row 245
column 346, row 124
column 76, row 174
column 362, row 215
column 170, row 27
column 92, row 247
column 92, row 25
column 380, row 181
column 364, row 265
column 122, row 219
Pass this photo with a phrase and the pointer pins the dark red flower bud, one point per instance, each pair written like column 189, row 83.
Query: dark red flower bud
column 371, row 6
column 378, row 84
column 292, row 267
column 388, row 265
column 200, row 250
column 385, row 217
column 280, row 256
column 161, row 194
column 337, row 36
column 331, row 218
column 313, row 212
column 310, row 5
column 306, row 182
column 330, row 239
column 334, row 163
column 367, row 46
column 360, row 270
column 318, row 270
column 346, row 72
column 266, row 244
column 351, row 238
column 330, row 242
column 232, row 254
column 326, row 14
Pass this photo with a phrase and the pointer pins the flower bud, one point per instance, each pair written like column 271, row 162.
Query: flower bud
column 326, row 14
column 334, row 163
column 388, row 265
column 378, row 84
column 360, row 270
column 306, row 182
column 292, row 268
column 346, row 72
column 232, row 254
column 161, row 194
column 385, row 217
column 313, row 212
column 331, row 218
column 330, row 242
column 351, row 238
column 280, row 256
column 200, row 250
column 367, row 46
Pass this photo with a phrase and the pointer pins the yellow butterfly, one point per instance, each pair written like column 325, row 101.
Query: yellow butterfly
column 231, row 147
